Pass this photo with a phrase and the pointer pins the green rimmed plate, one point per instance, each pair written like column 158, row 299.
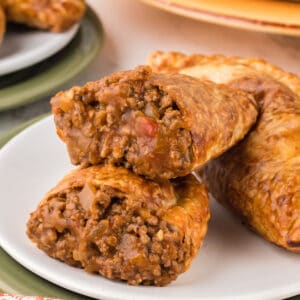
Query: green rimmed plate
column 43, row 79
column 14, row 278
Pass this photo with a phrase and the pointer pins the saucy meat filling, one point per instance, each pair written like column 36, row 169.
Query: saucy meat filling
column 104, row 230
column 129, row 123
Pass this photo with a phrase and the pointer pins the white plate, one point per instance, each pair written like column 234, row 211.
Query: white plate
column 233, row 263
column 24, row 47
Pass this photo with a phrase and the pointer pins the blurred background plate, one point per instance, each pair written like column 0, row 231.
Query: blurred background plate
column 274, row 16
column 23, row 47
column 45, row 78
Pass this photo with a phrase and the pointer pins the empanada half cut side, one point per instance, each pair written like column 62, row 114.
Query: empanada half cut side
column 110, row 221
column 159, row 125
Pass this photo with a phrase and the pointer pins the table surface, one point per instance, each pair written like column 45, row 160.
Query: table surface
column 133, row 30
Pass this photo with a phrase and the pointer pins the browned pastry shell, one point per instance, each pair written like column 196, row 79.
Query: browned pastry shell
column 160, row 125
column 110, row 221
column 53, row 15
column 260, row 177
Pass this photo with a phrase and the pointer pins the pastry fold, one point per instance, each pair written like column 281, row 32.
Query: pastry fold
column 159, row 125
column 259, row 178
column 53, row 15
column 110, row 221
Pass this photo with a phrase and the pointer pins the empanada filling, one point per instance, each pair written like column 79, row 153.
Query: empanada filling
column 132, row 123
column 102, row 230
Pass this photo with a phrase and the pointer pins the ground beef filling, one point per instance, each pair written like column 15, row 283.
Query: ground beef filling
column 132, row 124
column 103, row 231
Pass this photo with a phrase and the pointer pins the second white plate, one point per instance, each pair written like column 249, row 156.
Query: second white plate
column 233, row 263
column 23, row 47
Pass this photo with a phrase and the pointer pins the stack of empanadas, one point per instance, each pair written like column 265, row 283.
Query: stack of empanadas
column 52, row 15
column 132, row 211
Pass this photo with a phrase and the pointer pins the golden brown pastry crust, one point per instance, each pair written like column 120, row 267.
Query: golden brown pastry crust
column 109, row 121
column 219, row 68
column 108, row 220
column 2, row 24
column 53, row 15
column 260, row 177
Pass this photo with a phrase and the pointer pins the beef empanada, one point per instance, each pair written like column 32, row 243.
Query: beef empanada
column 2, row 24
column 260, row 177
column 160, row 125
column 110, row 221
column 53, row 15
